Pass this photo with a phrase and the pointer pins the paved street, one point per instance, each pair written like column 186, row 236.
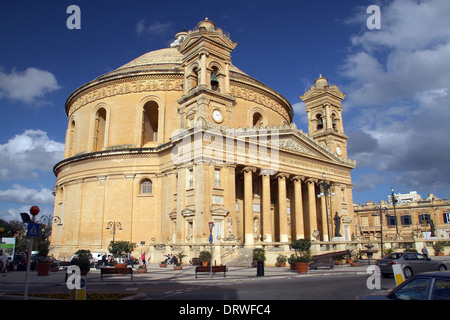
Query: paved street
column 342, row 282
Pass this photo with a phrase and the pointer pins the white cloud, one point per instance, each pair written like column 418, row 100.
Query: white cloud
column 14, row 213
column 29, row 86
column 23, row 156
column 407, row 57
column 399, row 95
column 154, row 29
column 21, row 194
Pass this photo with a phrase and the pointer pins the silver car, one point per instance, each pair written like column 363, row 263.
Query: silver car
column 412, row 263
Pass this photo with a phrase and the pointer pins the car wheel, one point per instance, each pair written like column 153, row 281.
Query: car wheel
column 442, row 267
column 407, row 272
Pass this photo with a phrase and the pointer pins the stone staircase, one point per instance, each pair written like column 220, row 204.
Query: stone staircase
column 243, row 258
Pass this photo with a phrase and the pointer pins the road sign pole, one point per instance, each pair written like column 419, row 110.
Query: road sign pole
column 30, row 248
column 34, row 210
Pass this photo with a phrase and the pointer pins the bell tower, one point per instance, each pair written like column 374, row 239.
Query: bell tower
column 324, row 110
column 206, row 60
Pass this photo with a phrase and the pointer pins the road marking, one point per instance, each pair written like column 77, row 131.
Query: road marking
column 131, row 289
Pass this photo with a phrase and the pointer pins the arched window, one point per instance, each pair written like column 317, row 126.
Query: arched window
column 99, row 129
column 146, row 187
column 257, row 119
column 214, row 79
column 319, row 121
column 150, row 122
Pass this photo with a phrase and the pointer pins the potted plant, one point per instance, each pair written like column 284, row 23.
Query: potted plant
column 259, row 255
column 204, row 257
column 281, row 260
column 121, row 249
column 293, row 262
column 302, row 248
column 355, row 262
column 350, row 258
column 82, row 259
column 163, row 264
column 438, row 248
column 179, row 264
column 42, row 264
column 355, row 259
column 142, row 268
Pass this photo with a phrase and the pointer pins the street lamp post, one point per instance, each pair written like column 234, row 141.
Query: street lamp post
column 385, row 211
column 395, row 212
column 211, row 225
column 114, row 225
column 326, row 186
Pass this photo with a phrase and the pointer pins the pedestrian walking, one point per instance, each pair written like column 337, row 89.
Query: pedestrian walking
column 425, row 252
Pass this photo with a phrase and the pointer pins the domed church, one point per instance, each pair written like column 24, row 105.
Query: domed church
column 179, row 146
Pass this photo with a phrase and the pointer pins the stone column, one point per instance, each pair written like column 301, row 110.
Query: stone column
column 265, row 204
column 203, row 55
column 297, row 215
column 230, row 197
column 281, row 177
column 180, row 204
column 312, row 213
column 323, row 205
column 248, row 205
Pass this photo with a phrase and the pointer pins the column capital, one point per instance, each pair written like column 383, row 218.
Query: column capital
column 311, row 180
column 282, row 175
column 298, row 178
column 267, row 172
column 249, row 168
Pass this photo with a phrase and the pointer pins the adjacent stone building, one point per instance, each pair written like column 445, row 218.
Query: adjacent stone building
column 417, row 219
column 180, row 137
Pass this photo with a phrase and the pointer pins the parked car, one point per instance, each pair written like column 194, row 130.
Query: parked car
column 412, row 263
column 422, row 286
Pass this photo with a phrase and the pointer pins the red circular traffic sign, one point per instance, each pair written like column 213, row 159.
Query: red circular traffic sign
column 34, row 210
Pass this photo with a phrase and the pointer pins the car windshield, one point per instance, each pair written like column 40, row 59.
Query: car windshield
column 394, row 256
column 416, row 289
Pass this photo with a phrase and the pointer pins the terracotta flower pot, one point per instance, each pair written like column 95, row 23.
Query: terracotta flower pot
column 142, row 270
column 302, row 267
column 163, row 265
column 282, row 264
column 177, row 267
column 43, row 268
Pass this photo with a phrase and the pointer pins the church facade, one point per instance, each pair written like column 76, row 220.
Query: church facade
column 179, row 138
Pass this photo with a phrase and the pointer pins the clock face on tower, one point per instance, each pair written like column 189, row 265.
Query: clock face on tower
column 217, row 116
column 338, row 151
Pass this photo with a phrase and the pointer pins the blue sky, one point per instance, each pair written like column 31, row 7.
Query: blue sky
column 396, row 78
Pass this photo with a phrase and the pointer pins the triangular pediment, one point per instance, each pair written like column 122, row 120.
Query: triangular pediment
column 299, row 143
column 188, row 212
column 220, row 211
